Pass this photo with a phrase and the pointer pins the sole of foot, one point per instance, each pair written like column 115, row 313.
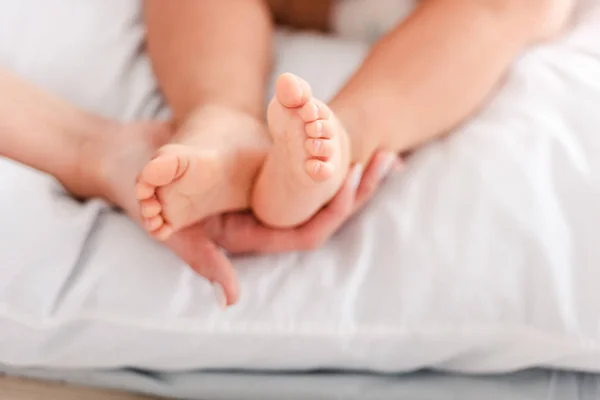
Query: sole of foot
column 206, row 169
column 308, row 161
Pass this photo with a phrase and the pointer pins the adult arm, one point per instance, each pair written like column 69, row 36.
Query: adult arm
column 438, row 67
column 48, row 134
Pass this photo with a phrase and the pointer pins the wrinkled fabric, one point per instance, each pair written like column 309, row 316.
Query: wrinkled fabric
column 482, row 256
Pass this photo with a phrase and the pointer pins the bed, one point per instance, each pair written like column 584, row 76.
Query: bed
column 480, row 258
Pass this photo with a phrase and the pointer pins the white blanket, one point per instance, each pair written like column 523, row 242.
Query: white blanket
column 481, row 257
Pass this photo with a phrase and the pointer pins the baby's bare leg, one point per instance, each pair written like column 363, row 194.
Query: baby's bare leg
column 212, row 60
column 438, row 67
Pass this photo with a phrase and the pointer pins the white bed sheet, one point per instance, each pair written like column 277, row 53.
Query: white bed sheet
column 481, row 257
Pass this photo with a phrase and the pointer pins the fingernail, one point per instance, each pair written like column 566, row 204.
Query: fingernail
column 220, row 295
column 357, row 174
column 386, row 165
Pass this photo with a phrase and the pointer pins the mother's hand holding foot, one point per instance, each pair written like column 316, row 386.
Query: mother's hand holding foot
column 241, row 232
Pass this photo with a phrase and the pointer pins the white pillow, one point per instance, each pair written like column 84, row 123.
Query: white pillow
column 481, row 257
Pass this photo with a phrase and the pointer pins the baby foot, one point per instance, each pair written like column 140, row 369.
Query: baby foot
column 174, row 188
column 109, row 165
column 203, row 171
column 309, row 159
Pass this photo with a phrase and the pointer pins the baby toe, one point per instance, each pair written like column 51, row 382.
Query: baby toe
column 292, row 91
column 322, row 129
column 314, row 110
column 319, row 170
column 150, row 208
column 324, row 110
column 309, row 112
column 163, row 233
column 165, row 169
column 152, row 224
column 144, row 190
column 322, row 148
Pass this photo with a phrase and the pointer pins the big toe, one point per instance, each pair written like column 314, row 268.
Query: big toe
column 164, row 169
column 292, row 91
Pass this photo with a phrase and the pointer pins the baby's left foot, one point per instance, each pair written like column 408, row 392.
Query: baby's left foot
column 309, row 159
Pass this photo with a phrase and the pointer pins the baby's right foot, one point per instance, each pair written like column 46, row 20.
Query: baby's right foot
column 206, row 169
column 309, row 159
column 110, row 163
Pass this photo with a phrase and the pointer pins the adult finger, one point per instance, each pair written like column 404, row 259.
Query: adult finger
column 357, row 190
column 237, row 232
column 209, row 261
column 242, row 233
column 381, row 165
column 328, row 220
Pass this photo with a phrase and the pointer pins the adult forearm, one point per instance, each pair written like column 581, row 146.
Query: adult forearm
column 42, row 131
column 430, row 74
column 206, row 51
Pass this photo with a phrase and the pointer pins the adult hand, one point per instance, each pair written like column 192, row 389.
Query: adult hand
column 242, row 233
